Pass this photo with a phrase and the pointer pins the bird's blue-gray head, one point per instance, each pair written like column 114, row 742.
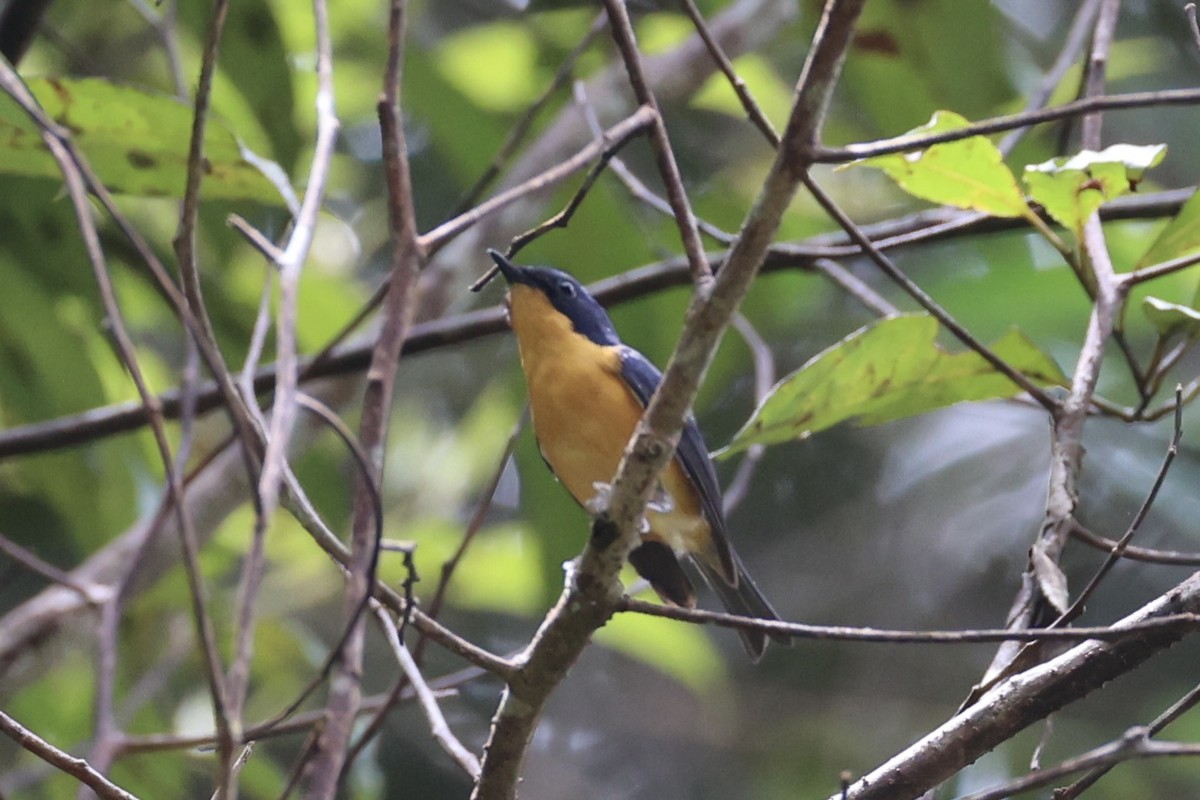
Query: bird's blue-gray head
column 567, row 296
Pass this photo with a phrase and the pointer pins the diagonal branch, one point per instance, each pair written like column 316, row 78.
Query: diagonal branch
column 322, row 772
column 1020, row 700
column 594, row 590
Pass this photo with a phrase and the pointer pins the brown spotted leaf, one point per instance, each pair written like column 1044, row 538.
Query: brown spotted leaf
column 136, row 141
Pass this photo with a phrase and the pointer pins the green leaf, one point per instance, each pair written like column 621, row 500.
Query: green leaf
column 969, row 173
column 890, row 369
column 137, row 142
column 1071, row 189
column 1181, row 236
column 1170, row 318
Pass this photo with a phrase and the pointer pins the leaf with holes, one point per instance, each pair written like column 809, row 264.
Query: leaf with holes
column 1071, row 189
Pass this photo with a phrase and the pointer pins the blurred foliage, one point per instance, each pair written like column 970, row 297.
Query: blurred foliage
column 921, row 523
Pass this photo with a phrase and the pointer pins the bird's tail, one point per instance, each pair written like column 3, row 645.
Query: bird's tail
column 746, row 600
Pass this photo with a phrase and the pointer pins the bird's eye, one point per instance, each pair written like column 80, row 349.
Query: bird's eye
column 567, row 288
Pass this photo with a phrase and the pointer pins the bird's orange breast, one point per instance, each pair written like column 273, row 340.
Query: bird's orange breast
column 584, row 414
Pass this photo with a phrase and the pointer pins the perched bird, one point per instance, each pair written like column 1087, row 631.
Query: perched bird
column 587, row 392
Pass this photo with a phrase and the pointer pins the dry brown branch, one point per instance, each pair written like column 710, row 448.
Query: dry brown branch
column 593, row 589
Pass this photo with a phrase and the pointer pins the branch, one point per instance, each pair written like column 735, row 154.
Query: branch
column 926, row 226
column 593, row 590
column 1023, row 699
column 901, row 144
column 75, row 767
column 843, row 633
column 324, row 769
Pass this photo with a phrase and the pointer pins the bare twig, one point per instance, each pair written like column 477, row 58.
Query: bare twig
column 1043, row 589
column 593, row 590
column 764, row 379
column 322, row 772
column 291, row 263
column 1132, row 745
column 1119, row 548
column 753, row 112
column 912, row 229
column 1166, row 97
column 1180, row 622
column 65, row 762
column 1133, row 553
column 1073, row 44
column 664, row 156
column 433, row 713
column 1177, row 709
column 28, row 559
column 562, row 218
column 634, row 184
column 520, row 129
column 1022, row 699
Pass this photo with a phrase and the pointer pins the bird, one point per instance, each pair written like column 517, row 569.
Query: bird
column 587, row 391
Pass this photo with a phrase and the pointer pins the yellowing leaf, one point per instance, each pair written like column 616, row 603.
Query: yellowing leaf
column 137, row 142
column 969, row 173
column 1071, row 189
column 888, row 370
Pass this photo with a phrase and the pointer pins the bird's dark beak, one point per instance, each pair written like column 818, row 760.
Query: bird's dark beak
column 512, row 273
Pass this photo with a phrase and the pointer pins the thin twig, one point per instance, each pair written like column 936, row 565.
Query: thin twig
column 1132, row 745
column 323, row 771
column 28, row 559
column 753, row 111
column 1073, row 44
column 1177, row 710
column 764, row 379
column 291, row 264
column 848, row 282
column 799, row 630
column 601, row 148
column 520, row 129
column 1043, row 592
column 634, row 184
column 438, row 726
column 1145, row 554
column 1166, row 97
column 563, row 218
column 664, row 156
column 65, row 762
column 154, row 743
